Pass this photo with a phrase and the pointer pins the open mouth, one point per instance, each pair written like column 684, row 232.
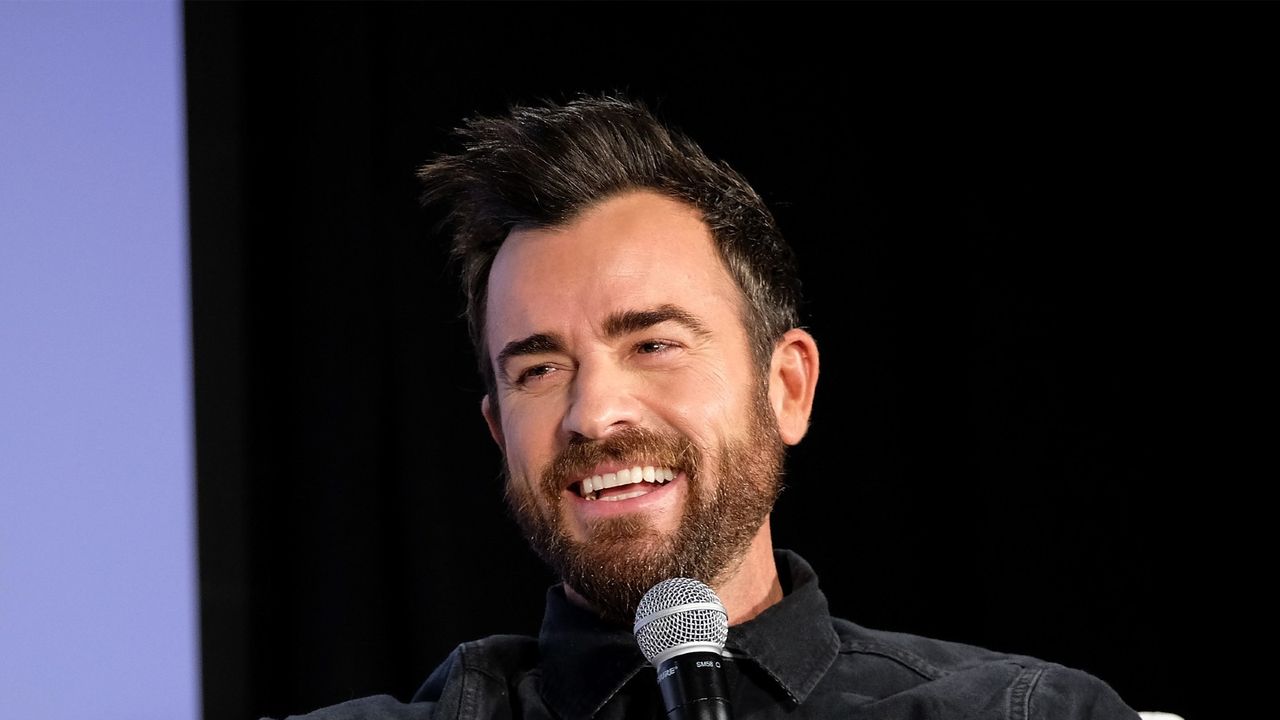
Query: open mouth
column 623, row 484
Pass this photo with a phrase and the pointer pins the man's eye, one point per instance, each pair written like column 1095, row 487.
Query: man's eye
column 649, row 347
column 534, row 373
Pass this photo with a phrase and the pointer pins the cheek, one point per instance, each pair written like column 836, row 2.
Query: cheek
column 530, row 442
column 704, row 404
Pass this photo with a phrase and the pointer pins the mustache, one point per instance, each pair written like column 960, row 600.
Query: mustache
column 634, row 446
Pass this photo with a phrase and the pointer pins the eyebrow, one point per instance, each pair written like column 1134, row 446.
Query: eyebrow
column 629, row 321
column 532, row 345
column 615, row 325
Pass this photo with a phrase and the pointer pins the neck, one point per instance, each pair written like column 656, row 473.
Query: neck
column 751, row 586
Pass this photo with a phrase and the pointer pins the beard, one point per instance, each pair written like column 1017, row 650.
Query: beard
column 623, row 557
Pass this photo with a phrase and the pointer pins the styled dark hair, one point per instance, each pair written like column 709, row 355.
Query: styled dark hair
column 541, row 165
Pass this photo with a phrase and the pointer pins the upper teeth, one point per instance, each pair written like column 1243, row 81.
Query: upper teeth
column 626, row 476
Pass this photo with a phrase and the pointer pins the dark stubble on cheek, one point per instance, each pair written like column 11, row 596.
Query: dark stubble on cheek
column 623, row 557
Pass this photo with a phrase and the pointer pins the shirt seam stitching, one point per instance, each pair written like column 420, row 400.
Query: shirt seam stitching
column 1021, row 691
column 909, row 660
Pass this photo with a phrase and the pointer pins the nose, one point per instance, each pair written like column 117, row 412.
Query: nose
column 601, row 401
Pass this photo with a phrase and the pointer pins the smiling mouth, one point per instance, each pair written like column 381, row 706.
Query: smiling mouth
column 620, row 485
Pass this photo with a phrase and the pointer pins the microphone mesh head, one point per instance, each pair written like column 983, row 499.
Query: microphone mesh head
column 688, row 614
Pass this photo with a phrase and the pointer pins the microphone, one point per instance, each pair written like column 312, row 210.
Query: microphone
column 681, row 627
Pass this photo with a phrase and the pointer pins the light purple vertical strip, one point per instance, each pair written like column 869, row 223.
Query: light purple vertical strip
column 98, row 612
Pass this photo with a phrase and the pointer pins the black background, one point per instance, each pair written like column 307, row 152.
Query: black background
column 1006, row 217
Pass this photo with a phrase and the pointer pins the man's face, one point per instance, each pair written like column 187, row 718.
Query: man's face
column 618, row 344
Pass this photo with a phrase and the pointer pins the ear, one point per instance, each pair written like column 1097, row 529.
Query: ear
column 793, row 377
column 493, row 421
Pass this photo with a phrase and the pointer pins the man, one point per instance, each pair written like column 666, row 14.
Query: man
column 634, row 311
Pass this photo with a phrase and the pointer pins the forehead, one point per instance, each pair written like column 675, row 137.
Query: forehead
column 633, row 251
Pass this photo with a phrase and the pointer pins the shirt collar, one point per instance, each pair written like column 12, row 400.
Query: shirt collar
column 793, row 641
column 586, row 661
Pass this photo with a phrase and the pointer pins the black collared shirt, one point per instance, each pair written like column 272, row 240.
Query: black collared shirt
column 793, row 660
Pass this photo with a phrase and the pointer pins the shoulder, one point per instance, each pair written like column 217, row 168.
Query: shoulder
column 1021, row 686
column 929, row 657
column 472, row 672
column 491, row 664
column 1069, row 692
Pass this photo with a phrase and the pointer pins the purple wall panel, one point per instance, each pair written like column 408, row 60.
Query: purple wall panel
column 97, row 539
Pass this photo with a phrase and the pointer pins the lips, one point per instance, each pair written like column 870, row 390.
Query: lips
column 617, row 485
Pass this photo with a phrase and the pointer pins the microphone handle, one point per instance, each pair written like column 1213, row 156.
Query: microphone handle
column 693, row 687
